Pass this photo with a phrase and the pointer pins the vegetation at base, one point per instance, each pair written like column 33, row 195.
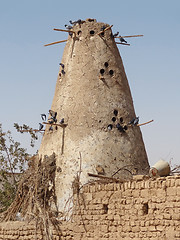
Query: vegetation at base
column 13, row 162
column 7, row 195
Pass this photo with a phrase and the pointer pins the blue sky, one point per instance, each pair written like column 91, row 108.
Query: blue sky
column 29, row 70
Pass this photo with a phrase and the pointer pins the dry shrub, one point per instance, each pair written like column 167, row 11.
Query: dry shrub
column 36, row 195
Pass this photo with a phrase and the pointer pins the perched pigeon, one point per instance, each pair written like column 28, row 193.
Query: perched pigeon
column 119, row 127
column 43, row 116
column 62, row 71
column 51, row 121
column 62, row 65
column 68, row 27
column 131, row 122
column 79, row 21
column 116, row 34
column 61, row 121
column 122, row 40
column 134, row 121
column 102, row 28
column 53, row 113
column 40, row 126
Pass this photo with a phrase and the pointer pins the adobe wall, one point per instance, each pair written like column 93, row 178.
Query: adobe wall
column 140, row 209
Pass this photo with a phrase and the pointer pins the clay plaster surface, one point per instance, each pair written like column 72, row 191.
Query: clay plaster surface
column 86, row 98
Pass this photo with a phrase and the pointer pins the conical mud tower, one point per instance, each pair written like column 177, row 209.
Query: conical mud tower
column 93, row 96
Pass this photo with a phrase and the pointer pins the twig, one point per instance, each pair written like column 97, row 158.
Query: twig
column 55, row 43
column 104, row 30
column 123, row 168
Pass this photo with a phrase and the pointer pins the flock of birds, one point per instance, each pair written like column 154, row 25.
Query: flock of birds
column 122, row 40
column 134, row 121
column 120, row 125
column 73, row 23
column 62, row 66
column 79, row 21
column 51, row 120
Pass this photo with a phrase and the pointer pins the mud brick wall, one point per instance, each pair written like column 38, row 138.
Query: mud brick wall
column 140, row 209
column 27, row 231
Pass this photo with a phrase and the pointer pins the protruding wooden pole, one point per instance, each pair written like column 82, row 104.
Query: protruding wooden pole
column 130, row 36
column 106, row 178
column 55, row 124
column 62, row 30
column 104, row 30
column 33, row 130
column 123, row 43
column 55, row 43
column 141, row 124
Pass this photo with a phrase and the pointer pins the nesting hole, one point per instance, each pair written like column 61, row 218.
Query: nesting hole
column 79, row 32
column 59, row 169
column 145, row 208
column 106, row 64
column 125, row 128
column 102, row 71
column 105, row 208
column 111, row 72
column 56, row 127
column 115, row 112
column 113, row 119
column 92, row 32
column 109, row 127
column 99, row 121
column 121, row 119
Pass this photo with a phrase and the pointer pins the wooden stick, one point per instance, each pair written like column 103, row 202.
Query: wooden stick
column 104, row 30
column 130, row 36
column 62, row 146
column 55, row 43
column 141, row 124
column 123, row 43
column 106, row 178
column 55, row 124
column 63, row 30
